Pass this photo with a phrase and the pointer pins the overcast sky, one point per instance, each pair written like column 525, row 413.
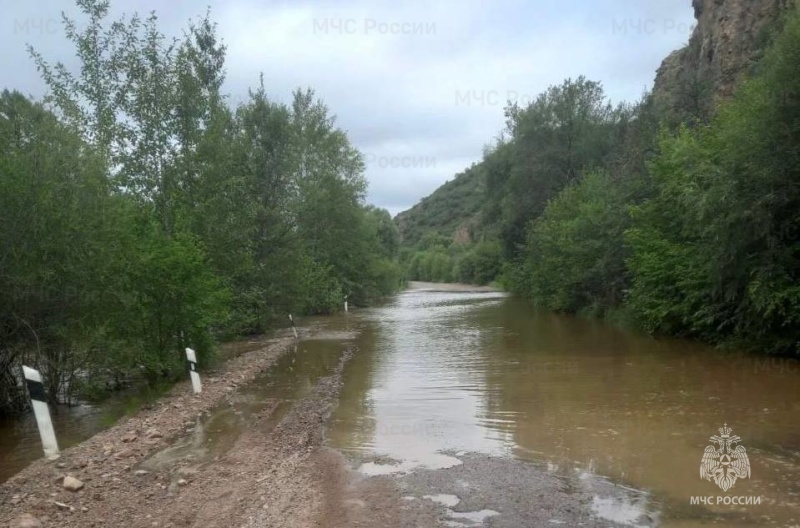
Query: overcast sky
column 419, row 86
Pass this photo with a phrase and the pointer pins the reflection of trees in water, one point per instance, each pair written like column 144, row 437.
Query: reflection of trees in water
column 352, row 422
column 573, row 392
column 580, row 392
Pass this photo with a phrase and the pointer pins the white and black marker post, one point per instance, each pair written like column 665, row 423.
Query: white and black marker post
column 291, row 320
column 345, row 304
column 42, row 412
column 192, row 357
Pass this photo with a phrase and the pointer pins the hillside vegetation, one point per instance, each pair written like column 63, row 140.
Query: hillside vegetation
column 452, row 208
column 687, row 227
column 141, row 213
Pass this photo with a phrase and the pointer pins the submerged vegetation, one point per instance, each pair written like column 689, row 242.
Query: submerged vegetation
column 689, row 229
column 141, row 212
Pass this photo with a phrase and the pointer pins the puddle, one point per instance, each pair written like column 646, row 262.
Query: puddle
column 477, row 517
column 292, row 378
column 430, row 461
column 621, row 510
column 458, row 519
column 443, row 499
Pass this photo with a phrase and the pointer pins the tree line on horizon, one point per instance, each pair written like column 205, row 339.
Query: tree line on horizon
column 682, row 221
column 141, row 212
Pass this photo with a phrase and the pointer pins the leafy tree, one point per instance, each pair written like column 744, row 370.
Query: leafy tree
column 144, row 214
column 480, row 264
column 60, row 239
column 671, row 276
column 564, row 131
column 434, row 265
column 575, row 255
column 388, row 236
column 715, row 251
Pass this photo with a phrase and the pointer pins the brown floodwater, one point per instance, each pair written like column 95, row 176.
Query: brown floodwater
column 293, row 377
column 440, row 374
column 19, row 438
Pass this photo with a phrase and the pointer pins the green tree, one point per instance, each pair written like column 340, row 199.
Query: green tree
column 61, row 237
column 715, row 250
column 575, row 255
column 480, row 264
column 564, row 131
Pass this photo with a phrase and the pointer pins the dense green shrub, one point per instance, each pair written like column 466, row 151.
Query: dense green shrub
column 575, row 256
column 715, row 251
column 480, row 263
column 126, row 236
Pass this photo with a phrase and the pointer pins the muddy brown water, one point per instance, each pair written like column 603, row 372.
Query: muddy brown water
column 19, row 437
column 440, row 373
column 444, row 375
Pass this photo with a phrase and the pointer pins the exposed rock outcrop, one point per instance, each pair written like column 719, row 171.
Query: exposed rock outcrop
column 727, row 41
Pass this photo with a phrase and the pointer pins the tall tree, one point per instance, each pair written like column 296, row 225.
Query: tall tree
column 561, row 133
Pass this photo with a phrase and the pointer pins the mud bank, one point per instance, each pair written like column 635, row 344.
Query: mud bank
column 174, row 464
column 113, row 490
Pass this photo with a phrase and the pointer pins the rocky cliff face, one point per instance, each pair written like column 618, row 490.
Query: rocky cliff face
column 728, row 39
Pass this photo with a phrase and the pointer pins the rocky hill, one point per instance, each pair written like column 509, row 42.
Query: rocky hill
column 727, row 41
column 451, row 210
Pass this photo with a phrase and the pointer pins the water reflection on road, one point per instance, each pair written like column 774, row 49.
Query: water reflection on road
column 440, row 373
column 442, row 378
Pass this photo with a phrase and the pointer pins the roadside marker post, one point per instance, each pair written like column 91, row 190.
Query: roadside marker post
column 345, row 304
column 291, row 320
column 192, row 357
column 42, row 412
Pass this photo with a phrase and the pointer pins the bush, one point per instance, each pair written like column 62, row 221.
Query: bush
column 480, row 264
column 574, row 258
column 178, row 301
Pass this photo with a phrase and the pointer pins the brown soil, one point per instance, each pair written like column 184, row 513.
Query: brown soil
column 276, row 473
column 273, row 475
column 263, row 478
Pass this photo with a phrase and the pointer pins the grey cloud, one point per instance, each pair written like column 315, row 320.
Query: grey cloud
column 403, row 94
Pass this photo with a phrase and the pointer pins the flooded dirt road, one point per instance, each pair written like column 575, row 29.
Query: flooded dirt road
column 452, row 406
column 442, row 373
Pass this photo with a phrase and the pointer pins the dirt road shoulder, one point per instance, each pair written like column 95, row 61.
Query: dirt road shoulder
column 103, row 464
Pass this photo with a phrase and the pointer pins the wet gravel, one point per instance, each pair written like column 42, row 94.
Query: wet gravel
column 114, row 489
